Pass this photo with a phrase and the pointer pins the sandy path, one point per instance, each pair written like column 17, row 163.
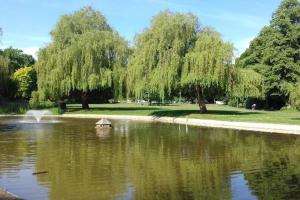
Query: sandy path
column 250, row 126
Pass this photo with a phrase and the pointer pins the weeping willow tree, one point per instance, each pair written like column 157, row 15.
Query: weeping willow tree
column 247, row 84
column 155, row 65
column 208, row 65
column 3, row 74
column 85, row 54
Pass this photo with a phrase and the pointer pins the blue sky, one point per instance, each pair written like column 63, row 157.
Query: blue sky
column 26, row 23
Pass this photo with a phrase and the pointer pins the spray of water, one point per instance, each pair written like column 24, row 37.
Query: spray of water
column 38, row 116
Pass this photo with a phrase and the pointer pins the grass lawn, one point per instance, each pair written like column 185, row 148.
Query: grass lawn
column 215, row 112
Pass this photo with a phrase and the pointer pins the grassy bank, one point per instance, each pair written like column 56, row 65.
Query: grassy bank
column 19, row 108
column 215, row 112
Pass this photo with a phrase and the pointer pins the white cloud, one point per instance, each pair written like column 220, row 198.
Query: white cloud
column 31, row 51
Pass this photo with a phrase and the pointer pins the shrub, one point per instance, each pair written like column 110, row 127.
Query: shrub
column 13, row 107
column 38, row 101
column 34, row 101
column 295, row 97
column 236, row 102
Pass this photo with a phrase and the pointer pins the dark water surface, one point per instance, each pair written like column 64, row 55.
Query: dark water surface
column 138, row 160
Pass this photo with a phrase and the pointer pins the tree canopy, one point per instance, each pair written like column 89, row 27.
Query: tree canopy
column 248, row 83
column 208, row 65
column 155, row 66
column 85, row 54
column 17, row 59
column 3, row 74
column 26, row 81
column 275, row 52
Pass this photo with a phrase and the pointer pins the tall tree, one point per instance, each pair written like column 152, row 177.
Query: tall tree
column 85, row 54
column 155, row 66
column 17, row 59
column 26, row 81
column 3, row 74
column 247, row 84
column 208, row 65
column 275, row 52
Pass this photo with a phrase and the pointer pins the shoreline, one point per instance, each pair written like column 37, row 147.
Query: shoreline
column 246, row 126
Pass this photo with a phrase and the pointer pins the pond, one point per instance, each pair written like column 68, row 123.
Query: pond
column 140, row 160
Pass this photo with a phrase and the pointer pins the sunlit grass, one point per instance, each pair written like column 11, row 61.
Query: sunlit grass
column 215, row 112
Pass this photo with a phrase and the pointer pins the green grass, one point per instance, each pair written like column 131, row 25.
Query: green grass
column 215, row 112
column 17, row 108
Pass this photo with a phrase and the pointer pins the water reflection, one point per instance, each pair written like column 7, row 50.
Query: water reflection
column 149, row 161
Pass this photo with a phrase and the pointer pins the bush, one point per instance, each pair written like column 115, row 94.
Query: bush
column 14, row 107
column 236, row 102
column 180, row 100
column 295, row 97
column 37, row 101
column 34, row 101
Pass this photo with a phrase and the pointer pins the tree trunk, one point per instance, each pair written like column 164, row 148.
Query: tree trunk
column 200, row 100
column 84, row 101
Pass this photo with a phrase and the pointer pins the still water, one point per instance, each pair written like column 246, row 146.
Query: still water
column 137, row 160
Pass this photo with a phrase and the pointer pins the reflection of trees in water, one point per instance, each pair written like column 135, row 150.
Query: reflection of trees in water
column 17, row 144
column 276, row 180
column 82, row 166
column 279, row 178
column 13, row 150
column 161, row 162
column 271, row 165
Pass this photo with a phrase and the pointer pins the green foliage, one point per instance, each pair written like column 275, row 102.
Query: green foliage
column 34, row 101
column 295, row 97
column 85, row 54
column 38, row 101
column 26, row 81
column 209, row 63
column 248, row 83
column 3, row 74
column 17, row 59
column 157, row 60
column 275, row 52
column 10, row 60
column 18, row 107
column 72, row 26
column 236, row 102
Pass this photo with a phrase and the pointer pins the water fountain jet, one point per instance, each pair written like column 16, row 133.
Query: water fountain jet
column 38, row 116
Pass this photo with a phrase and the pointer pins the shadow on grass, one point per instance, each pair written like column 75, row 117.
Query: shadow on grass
column 231, row 112
column 93, row 109
column 159, row 112
column 297, row 119
column 181, row 113
column 173, row 113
